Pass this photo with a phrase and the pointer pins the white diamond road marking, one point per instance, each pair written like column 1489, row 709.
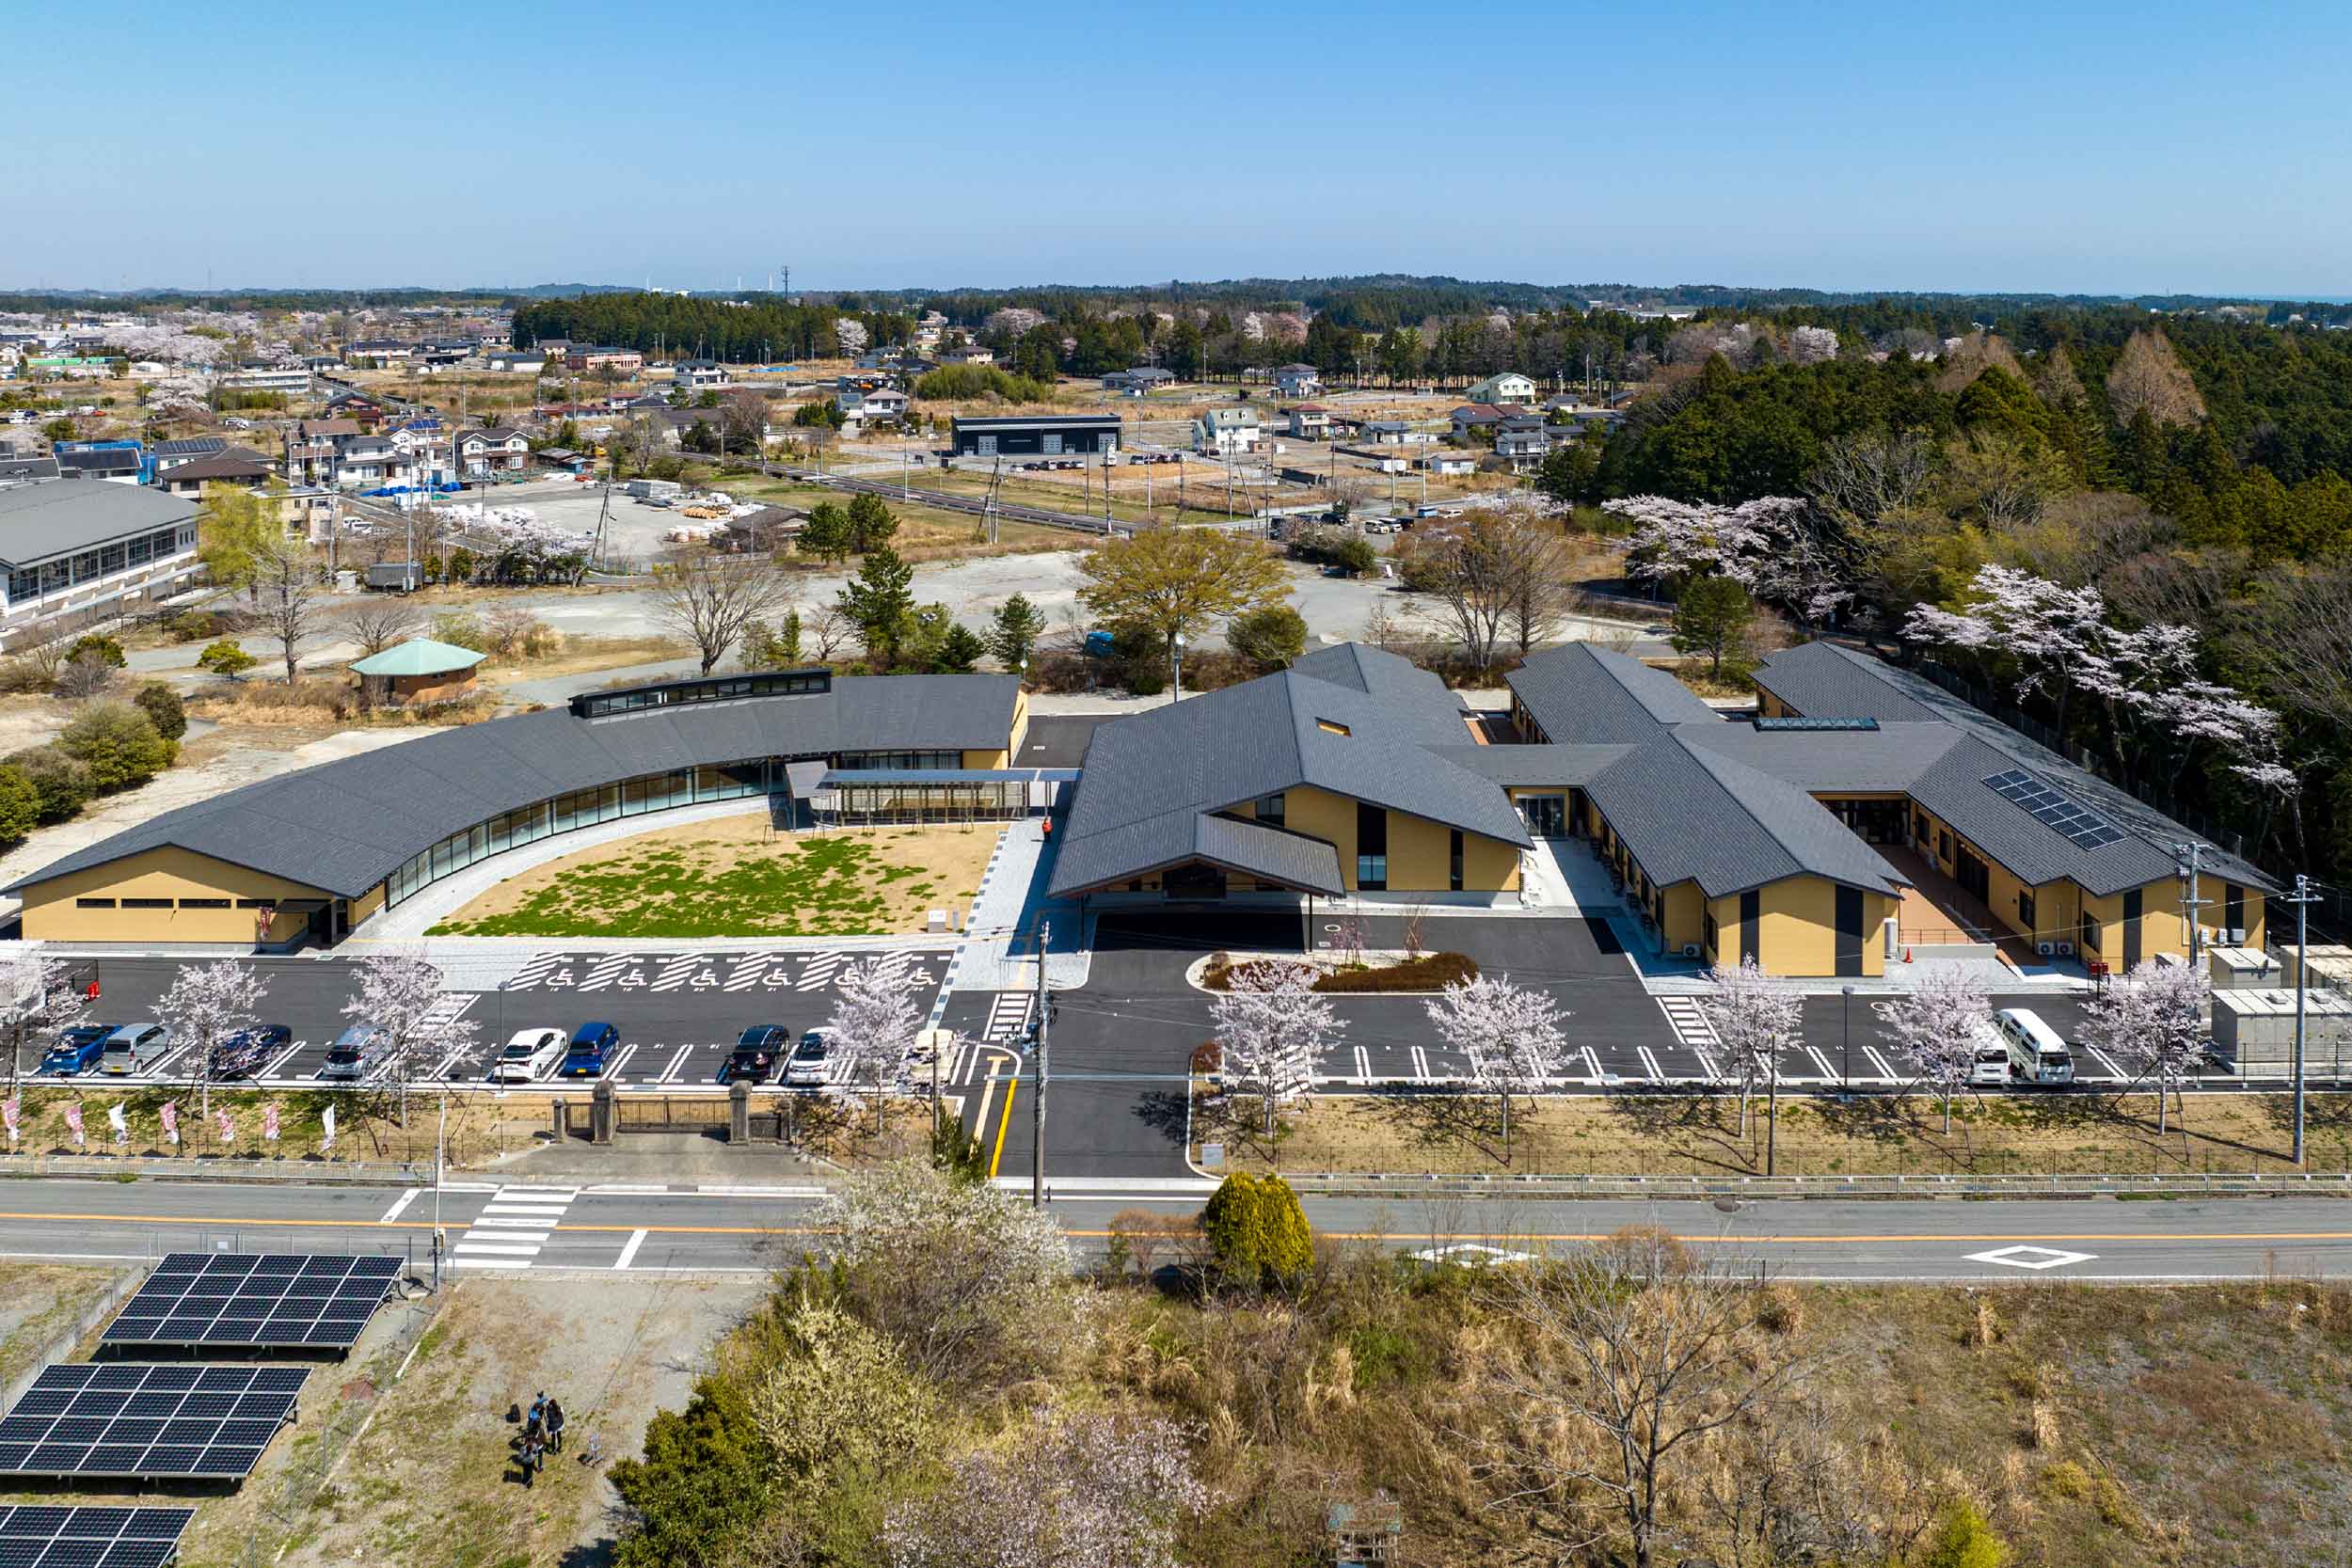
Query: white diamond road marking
column 1472, row 1252
column 2032, row 1257
column 512, row 1227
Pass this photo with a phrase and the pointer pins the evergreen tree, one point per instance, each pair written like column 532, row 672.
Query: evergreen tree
column 1014, row 632
column 880, row 601
column 827, row 534
column 871, row 523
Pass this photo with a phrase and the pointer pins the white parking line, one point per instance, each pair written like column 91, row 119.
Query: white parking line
column 1706, row 1064
column 1885, row 1067
column 272, row 1071
column 619, row 1061
column 1420, row 1065
column 1592, row 1065
column 1820, row 1061
column 1363, row 1063
column 669, row 1074
column 402, row 1202
column 1650, row 1064
column 628, row 1253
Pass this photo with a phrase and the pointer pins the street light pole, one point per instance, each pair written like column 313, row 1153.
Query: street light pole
column 1176, row 667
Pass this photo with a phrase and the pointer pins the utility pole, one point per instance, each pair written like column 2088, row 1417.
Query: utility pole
column 1037, row 1106
column 2191, row 858
column 2303, row 898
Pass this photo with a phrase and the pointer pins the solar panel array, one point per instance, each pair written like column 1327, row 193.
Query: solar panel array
column 117, row 1418
column 50, row 1537
column 226, row 1300
column 2081, row 827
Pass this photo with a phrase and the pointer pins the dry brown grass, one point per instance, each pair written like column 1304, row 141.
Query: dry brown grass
column 1672, row 1132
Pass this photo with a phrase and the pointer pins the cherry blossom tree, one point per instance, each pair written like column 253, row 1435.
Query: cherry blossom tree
column 43, row 995
column 1754, row 1015
column 1077, row 1489
column 1271, row 1029
column 850, row 334
column 1937, row 1024
column 1511, row 1034
column 1810, row 345
column 874, row 1023
column 402, row 996
column 2153, row 1021
column 1770, row 545
column 205, row 1004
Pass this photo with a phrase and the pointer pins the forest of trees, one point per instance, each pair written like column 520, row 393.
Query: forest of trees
column 681, row 324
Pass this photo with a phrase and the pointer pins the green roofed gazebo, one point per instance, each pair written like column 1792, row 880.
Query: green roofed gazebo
column 418, row 668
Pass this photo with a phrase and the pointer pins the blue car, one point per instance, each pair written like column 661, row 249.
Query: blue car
column 592, row 1047
column 77, row 1050
column 248, row 1051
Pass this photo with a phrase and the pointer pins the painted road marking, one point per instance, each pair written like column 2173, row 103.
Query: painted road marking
column 628, row 1252
column 1363, row 1063
column 1420, row 1065
column 1008, row 1016
column 668, row 1074
column 1706, row 1066
column 1688, row 1022
column 1592, row 1065
column 1886, row 1068
column 280, row 1064
column 747, row 972
column 1823, row 1062
column 513, row 1225
column 1650, row 1064
column 2032, row 1257
column 619, row 1061
column 402, row 1202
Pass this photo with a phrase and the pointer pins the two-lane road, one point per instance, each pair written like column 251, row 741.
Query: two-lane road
column 495, row 1226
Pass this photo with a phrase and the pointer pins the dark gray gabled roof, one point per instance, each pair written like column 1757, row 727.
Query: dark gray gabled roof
column 1822, row 680
column 27, row 469
column 39, row 521
column 1692, row 815
column 1582, row 694
column 1889, row 758
column 100, row 460
column 192, row 445
column 1362, row 732
column 1534, row 767
column 345, row 826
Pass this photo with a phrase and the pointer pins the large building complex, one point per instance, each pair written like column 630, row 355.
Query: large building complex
column 1860, row 813
column 315, row 853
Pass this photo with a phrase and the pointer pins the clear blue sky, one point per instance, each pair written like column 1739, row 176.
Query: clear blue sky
column 2081, row 147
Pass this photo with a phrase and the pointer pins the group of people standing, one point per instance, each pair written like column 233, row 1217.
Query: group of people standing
column 542, row 1434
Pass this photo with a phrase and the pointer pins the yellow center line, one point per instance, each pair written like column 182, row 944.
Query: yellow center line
column 1004, row 1122
column 2167, row 1238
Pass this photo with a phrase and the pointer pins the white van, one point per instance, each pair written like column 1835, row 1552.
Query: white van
column 2036, row 1055
column 1990, row 1066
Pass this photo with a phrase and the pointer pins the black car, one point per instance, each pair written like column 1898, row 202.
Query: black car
column 758, row 1054
column 248, row 1051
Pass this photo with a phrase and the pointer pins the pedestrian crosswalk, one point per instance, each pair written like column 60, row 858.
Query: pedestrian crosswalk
column 1008, row 1016
column 512, row 1228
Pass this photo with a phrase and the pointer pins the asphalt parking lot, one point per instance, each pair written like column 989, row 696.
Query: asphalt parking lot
column 677, row 1014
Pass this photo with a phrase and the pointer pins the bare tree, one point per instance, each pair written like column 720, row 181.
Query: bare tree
column 709, row 599
column 1495, row 572
column 831, row 629
column 379, row 622
column 1635, row 1353
column 287, row 599
column 85, row 677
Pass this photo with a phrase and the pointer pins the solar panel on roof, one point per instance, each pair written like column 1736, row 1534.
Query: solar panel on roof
column 2077, row 824
column 1793, row 723
column 86, row 1421
column 283, row 1300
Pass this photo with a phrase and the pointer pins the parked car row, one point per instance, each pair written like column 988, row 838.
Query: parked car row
column 119, row 1050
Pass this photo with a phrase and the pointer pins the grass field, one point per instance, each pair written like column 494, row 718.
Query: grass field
column 1693, row 1135
column 925, row 533
column 734, row 877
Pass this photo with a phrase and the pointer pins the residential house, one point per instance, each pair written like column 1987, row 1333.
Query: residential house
column 1226, row 431
column 261, row 376
column 378, row 352
column 168, row 455
column 970, row 354
column 1438, row 460
column 369, row 463
column 237, row 465
column 1297, row 381
column 1309, row 421
column 311, row 447
column 693, row 375
column 1478, row 418
column 490, row 453
column 115, row 461
column 1383, row 433
column 865, row 409
column 1137, row 382
column 764, row 531
column 366, row 409
column 1505, row 386
column 1523, row 442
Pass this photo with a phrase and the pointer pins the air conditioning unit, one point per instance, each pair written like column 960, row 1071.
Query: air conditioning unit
column 2065, row 949
column 2047, row 949
column 1690, row 949
column 2235, row 936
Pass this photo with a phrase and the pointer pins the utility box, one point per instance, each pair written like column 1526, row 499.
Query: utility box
column 2329, row 965
column 2253, row 1031
column 395, row 576
column 2241, row 968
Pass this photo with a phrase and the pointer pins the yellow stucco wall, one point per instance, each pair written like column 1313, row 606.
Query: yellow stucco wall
column 1797, row 927
column 51, row 913
column 1419, row 850
column 985, row 759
